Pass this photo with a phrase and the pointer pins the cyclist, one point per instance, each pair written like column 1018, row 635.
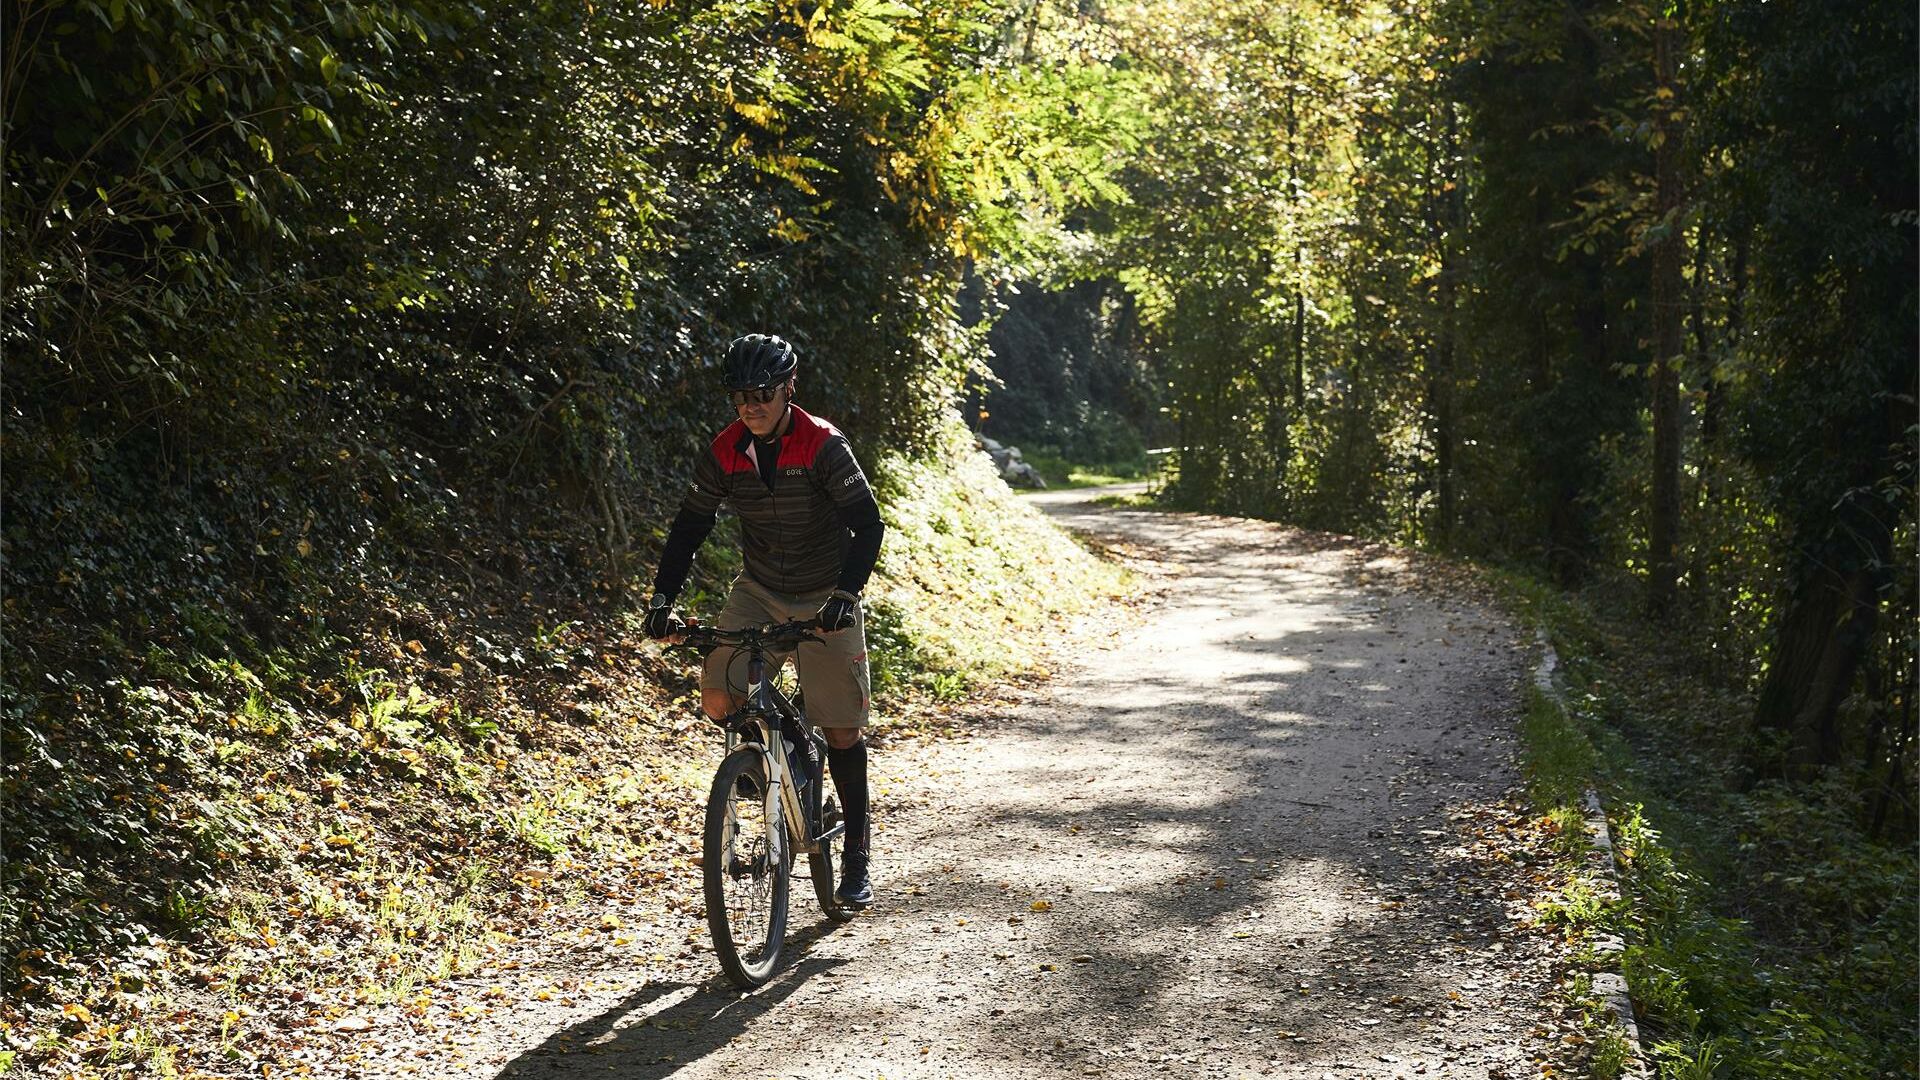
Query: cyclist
column 810, row 532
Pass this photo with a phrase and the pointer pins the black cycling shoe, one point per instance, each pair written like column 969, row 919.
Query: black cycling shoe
column 855, row 890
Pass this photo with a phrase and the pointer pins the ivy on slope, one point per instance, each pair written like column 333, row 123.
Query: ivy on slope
column 292, row 837
column 355, row 357
column 968, row 569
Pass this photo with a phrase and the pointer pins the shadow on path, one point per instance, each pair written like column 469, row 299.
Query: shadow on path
column 657, row 1030
column 1259, row 835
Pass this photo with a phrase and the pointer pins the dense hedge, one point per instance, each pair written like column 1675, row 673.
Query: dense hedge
column 316, row 312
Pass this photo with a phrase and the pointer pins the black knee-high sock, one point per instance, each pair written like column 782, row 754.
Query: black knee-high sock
column 849, row 767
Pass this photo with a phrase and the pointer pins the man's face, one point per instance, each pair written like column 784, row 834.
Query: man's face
column 761, row 417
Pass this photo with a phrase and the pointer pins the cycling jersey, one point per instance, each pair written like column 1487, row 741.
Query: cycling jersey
column 808, row 521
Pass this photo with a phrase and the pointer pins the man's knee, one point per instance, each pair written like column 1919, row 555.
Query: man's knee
column 841, row 738
column 718, row 703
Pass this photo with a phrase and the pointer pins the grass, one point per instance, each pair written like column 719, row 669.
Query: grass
column 1767, row 937
column 1060, row 472
column 1559, row 760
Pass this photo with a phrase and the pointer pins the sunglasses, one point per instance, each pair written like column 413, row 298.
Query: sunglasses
column 759, row 395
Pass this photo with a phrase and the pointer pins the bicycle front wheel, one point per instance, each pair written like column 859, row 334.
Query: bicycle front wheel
column 745, row 869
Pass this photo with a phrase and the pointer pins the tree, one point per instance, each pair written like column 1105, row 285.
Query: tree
column 1826, row 172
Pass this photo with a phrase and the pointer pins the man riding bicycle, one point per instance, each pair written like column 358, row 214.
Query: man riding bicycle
column 810, row 532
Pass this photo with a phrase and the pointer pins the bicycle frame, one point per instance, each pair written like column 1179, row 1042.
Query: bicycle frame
column 764, row 718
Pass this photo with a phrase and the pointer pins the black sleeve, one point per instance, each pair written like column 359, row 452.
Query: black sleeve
column 862, row 519
column 690, row 526
column 689, row 531
column 846, row 485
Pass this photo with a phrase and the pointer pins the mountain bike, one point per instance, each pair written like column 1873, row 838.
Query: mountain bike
column 759, row 816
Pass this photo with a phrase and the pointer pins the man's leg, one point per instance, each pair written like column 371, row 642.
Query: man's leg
column 834, row 677
column 723, row 676
column 847, row 759
column 718, row 704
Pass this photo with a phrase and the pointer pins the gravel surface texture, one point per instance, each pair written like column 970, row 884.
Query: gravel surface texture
column 1265, row 824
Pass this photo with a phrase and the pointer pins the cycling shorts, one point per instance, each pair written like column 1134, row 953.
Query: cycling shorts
column 834, row 678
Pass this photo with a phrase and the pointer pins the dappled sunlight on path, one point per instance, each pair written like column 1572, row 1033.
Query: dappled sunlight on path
column 1268, row 830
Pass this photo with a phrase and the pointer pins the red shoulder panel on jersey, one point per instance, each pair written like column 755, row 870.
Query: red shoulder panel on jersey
column 726, row 449
column 804, row 440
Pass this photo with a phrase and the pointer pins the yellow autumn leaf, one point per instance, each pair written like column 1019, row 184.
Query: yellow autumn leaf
column 1042, row 905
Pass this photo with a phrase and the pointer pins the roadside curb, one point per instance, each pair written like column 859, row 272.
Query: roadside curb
column 1609, row 986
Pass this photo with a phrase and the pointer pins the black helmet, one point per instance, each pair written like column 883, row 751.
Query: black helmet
column 759, row 360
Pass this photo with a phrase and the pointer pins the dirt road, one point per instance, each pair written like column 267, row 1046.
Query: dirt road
column 1268, row 829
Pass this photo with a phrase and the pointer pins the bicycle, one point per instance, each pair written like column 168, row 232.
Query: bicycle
column 756, row 820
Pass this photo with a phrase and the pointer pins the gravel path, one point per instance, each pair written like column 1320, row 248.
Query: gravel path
column 1267, row 828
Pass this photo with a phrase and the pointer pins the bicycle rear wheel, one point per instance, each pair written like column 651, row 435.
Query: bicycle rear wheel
column 745, row 869
column 820, row 865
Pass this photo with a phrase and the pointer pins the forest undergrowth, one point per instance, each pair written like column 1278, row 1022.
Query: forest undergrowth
column 363, row 816
column 1769, row 930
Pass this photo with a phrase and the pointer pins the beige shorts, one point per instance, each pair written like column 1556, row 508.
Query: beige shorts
column 833, row 674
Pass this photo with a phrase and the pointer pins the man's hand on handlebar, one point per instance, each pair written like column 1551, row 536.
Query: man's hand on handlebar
column 660, row 623
column 838, row 613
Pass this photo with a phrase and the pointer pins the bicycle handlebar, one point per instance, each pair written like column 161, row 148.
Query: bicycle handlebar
column 694, row 635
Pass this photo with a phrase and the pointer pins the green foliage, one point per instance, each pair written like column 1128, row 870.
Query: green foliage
column 966, row 569
column 1770, row 932
column 322, row 322
column 1069, row 375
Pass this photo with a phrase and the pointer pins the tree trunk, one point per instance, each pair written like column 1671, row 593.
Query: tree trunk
column 1842, row 565
column 1570, row 522
column 1706, row 366
column 1707, row 453
column 1441, row 381
column 1668, row 302
column 1293, row 196
column 1822, row 637
column 1299, row 337
column 1895, row 785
